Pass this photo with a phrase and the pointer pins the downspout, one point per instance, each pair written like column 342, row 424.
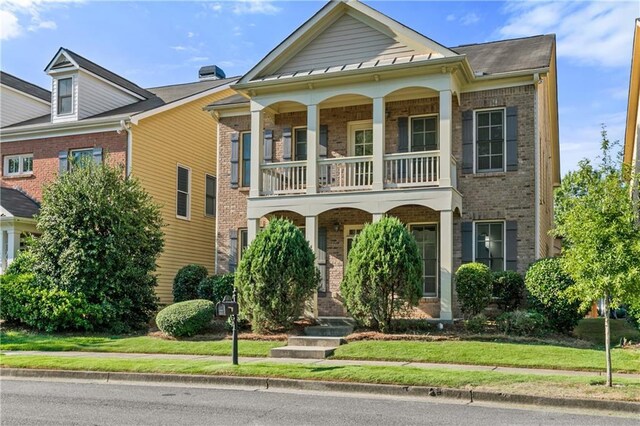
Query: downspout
column 217, row 120
column 127, row 128
column 536, row 144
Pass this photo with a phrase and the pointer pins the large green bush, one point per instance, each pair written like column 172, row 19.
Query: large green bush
column 101, row 236
column 522, row 323
column 26, row 302
column 384, row 273
column 186, row 281
column 24, row 263
column 216, row 287
column 185, row 319
column 474, row 285
column 546, row 284
column 276, row 276
column 508, row 288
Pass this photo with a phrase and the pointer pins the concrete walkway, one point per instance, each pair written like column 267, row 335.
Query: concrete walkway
column 319, row 362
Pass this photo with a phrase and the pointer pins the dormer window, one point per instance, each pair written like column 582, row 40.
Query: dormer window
column 65, row 96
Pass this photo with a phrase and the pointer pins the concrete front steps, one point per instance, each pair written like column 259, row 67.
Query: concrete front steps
column 320, row 341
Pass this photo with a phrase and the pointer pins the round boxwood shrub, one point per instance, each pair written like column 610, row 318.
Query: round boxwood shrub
column 546, row 283
column 186, row 281
column 522, row 323
column 474, row 285
column 185, row 319
column 276, row 276
column 216, row 287
column 24, row 263
column 508, row 288
column 476, row 324
column 384, row 273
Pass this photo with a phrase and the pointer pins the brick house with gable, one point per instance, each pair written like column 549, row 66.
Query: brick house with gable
column 355, row 116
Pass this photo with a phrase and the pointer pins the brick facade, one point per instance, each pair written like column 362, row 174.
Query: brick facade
column 499, row 196
column 45, row 157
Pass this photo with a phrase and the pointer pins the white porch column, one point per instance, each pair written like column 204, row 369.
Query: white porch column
column 377, row 216
column 378, row 143
column 311, row 231
column 257, row 151
column 13, row 245
column 445, row 137
column 446, row 264
column 252, row 229
column 3, row 254
column 313, row 135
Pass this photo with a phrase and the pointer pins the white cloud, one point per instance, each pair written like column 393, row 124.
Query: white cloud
column 43, row 25
column 15, row 15
column 237, row 31
column 469, row 18
column 190, row 34
column 451, row 17
column 589, row 33
column 264, row 7
column 198, row 59
column 178, row 48
column 216, row 7
column 9, row 25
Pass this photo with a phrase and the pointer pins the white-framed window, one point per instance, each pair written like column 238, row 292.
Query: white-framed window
column 360, row 138
column 65, row 95
column 209, row 195
column 300, row 143
column 350, row 234
column 426, row 235
column 424, row 133
column 243, row 242
column 16, row 165
column 245, row 159
column 490, row 140
column 77, row 156
column 489, row 244
column 183, row 192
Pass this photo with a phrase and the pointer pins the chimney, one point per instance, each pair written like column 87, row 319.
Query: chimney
column 211, row 72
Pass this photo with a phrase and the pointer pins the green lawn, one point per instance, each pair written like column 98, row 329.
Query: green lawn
column 21, row 341
column 559, row 385
column 592, row 329
column 490, row 353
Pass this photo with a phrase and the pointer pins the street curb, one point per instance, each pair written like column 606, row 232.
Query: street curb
column 312, row 385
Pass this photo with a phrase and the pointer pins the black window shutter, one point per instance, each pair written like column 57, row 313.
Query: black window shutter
column 286, row 144
column 467, row 242
column 403, row 134
column 63, row 161
column 97, row 155
column 268, row 146
column 324, row 141
column 467, row 141
column 322, row 258
column 512, row 246
column 234, row 159
column 512, row 138
column 233, row 250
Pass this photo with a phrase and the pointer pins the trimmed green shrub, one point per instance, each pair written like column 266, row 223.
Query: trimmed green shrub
column 186, row 281
column 476, row 324
column 276, row 276
column 522, row 323
column 412, row 326
column 216, row 287
column 26, row 302
column 474, row 285
column 508, row 288
column 547, row 283
column 101, row 236
column 384, row 273
column 185, row 319
column 24, row 263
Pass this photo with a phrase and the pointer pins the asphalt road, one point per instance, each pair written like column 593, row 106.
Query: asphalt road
column 31, row 402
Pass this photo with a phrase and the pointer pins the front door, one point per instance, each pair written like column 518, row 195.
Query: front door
column 426, row 236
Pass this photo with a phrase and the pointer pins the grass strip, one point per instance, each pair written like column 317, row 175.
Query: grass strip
column 21, row 341
column 490, row 353
column 553, row 385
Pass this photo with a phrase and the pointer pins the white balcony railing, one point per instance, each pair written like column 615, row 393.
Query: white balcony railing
column 412, row 169
column 284, row 178
column 345, row 173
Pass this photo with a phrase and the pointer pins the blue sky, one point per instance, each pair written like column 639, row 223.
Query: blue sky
column 162, row 42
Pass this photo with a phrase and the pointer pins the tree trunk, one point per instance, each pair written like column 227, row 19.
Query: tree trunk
column 607, row 338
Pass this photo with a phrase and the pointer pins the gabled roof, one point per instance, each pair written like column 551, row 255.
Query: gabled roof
column 83, row 63
column 24, row 86
column 17, row 203
column 496, row 57
column 408, row 42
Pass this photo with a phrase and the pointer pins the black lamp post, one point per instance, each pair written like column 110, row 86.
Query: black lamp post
column 234, row 336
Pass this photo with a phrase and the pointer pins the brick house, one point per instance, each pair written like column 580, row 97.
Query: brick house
column 632, row 129
column 160, row 135
column 355, row 116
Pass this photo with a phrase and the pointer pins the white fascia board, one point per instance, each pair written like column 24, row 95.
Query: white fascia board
column 48, row 130
column 26, row 95
column 141, row 116
column 61, row 51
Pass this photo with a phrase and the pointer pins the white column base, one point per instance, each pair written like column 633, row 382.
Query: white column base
column 311, row 231
column 446, row 265
column 252, row 229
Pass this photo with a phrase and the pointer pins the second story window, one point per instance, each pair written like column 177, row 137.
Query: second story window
column 490, row 141
column 300, row 135
column 65, row 96
column 245, row 164
column 183, row 193
column 424, row 133
column 15, row 165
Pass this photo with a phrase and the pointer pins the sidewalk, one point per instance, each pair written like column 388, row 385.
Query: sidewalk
column 320, row 362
